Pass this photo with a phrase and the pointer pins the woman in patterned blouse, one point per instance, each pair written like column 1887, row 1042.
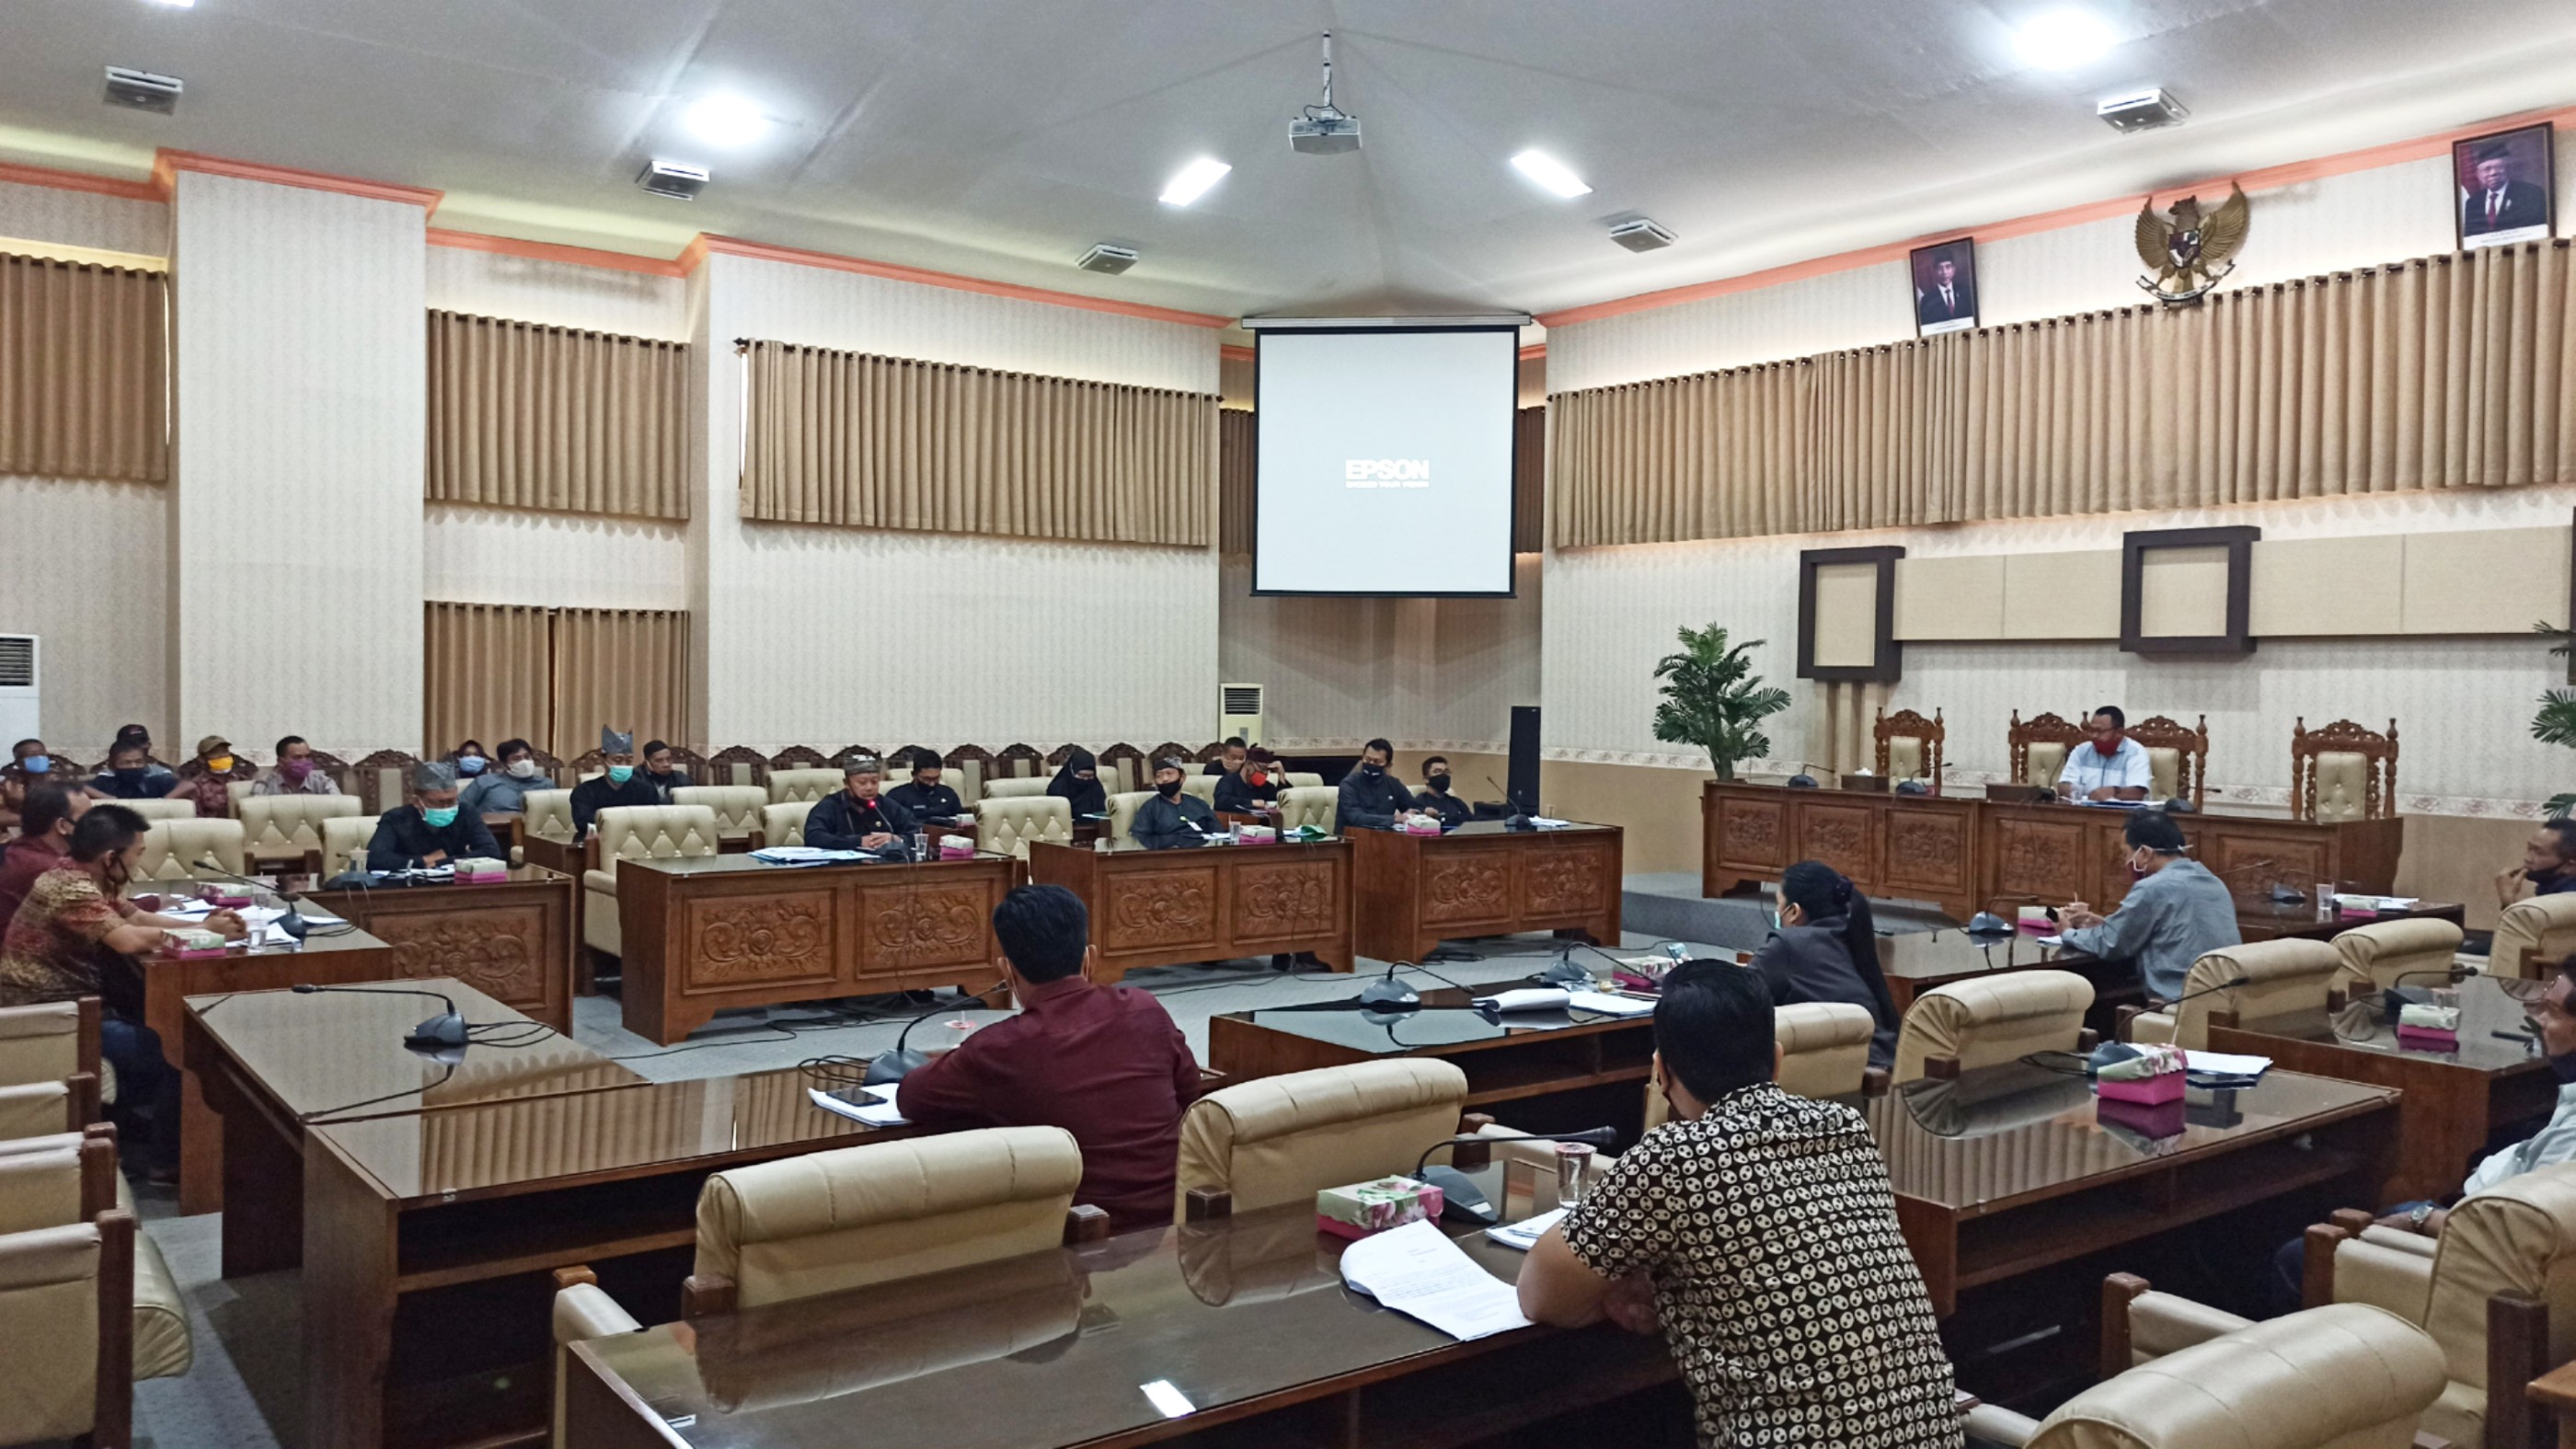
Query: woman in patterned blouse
column 1757, row 1232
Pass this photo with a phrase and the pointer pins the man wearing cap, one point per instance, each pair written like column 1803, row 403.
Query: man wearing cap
column 923, row 796
column 622, row 785
column 1172, row 818
column 2497, row 202
column 857, row 818
column 430, row 830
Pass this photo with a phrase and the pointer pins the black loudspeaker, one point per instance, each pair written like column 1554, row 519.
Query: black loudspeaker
column 1523, row 780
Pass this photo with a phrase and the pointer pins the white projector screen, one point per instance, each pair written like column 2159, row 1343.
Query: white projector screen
column 1384, row 463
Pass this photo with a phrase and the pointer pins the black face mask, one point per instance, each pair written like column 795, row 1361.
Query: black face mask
column 2564, row 1069
column 1439, row 784
column 130, row 774
column 1168, row 789
column 1371, row 772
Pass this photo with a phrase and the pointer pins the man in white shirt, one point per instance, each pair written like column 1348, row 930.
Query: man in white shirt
column 2111, row 766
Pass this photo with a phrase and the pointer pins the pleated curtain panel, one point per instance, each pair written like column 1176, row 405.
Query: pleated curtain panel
column 529, row 416
column 2453, row 371
column 84, row 371
column 490, row 675
column 554, row 676
column 859, row 441
column 1234, row 482
column 622, row 667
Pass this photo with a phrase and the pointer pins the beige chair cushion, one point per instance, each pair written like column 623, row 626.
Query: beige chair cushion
column 152, row 810
column 2168, row 1323
column 2375, row 1269
column 171, row 848
column 2343, row 785
column 1824, row 1047
column 2283, row 977
column 829, row 1221
column 784, row 822
column 1301, row 780
column 737, row 807
column 1203, row 786
column 807, row 785
column 2533, row 936
column 1993, row 1019
column 40, row 1183
column 1123, row 806
column 1007, row 824
column 39, row 1044
column 164, row 1347
column 1904, row 757
column 2517, row 1237
column 48, row 1332
column 1014, row 787
column 2344, row 1376
column 1283, row 1139
column 2374, row 956
column 637, row 832
column 547, row 813
column 2046, row 760
column 36, row 1109
column 283, row 827
column 2164, row 772
column 344, row 842
column 1316, row 805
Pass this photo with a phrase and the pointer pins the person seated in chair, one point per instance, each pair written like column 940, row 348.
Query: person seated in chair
column 1230, row 759
column 618, row 789
column 2548, row 864
column 44, row 840
column 2175, row 912
column 1436, row 799
column 660, row 772
column 1827, row 950
column 505, row 791
column 130, row 774
column 1253, row 787
column 29, row 766
column 430, row 829
column 924, row 796
column 1078, row 785
column 856, row 817
column 2112, row 767
column 1372, row 798
column 294, row 774
column 1173, row 817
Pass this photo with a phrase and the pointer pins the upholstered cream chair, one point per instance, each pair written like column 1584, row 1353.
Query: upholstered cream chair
column 59, row 1378
column 805, row 785
column 2038, row 747
column 51, row 1077
column 70, row 1178
column 1283, row 1139
column 2346, row 1376
column 1007, row 825
column 2375, row 956
column 2343, row 771
column 637, row 832
column 2177, row 758
column 548, row 813
column 1301, row 780
column 152, row 810
column 344, row 842
column 784, row 822
column 2282, row 978
column 2533, row 936
column 172, row 848
column 1203, row 786
column 280, row 828
column 737, row 808
column 1992, row 1019
column 1015, row 787
column 1316, row 805
column 1824, row 1052
column 1122, row 815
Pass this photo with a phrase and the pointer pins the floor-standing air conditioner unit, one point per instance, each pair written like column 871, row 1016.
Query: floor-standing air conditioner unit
column 1239, row 713
column 19, row 715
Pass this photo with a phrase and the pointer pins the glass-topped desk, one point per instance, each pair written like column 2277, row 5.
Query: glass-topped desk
column 1209, row 903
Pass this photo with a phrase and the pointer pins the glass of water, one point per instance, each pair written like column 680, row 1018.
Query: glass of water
column 1573, row 1172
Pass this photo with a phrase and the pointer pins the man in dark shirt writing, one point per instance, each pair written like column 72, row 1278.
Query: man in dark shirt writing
column 1104, row 1063
column 430, row 830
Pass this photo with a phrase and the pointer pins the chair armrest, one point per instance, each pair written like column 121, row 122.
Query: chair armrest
column 586, row 1311
column 2399, row 1279
column 2404, row 1242
column 1991, row 1425
column 2150, row 1028
column 600, row 881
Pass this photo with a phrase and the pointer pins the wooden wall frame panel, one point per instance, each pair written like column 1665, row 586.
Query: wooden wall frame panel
column 1887, row 664
column 2137, row 543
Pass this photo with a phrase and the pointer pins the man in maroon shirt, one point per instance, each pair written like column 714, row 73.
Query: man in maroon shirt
column 1104, row 1063
column 44, row 841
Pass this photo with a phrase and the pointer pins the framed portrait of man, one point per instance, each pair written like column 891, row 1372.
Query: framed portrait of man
column 2507, row 185
column 1945, row 287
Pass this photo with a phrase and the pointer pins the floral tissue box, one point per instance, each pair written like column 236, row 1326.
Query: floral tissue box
column 1363, row 1208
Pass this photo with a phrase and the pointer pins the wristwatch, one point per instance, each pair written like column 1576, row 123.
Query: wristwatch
column 2419, row 1215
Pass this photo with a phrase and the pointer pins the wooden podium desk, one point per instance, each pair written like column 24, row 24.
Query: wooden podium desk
column 1214, row 903
column 1482, row 879
column 512, row 940
column 711, row 932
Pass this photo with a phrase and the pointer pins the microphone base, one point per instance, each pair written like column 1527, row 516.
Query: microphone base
column 1568, row 976
column 1385, row 995
column 889, row 1067
column 1461, row 1200
column 441, row 1032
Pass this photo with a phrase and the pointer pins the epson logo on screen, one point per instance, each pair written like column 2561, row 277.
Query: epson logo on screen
column 1386, row 473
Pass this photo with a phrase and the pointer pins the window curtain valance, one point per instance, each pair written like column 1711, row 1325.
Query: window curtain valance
column 2446, row 372
column 528, row 416
column 859, row 441
column 84, row 371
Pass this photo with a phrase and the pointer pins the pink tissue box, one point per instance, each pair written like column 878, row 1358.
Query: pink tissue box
column 1415, row 827
column 956, row 847
column 2145, row 1091
column 227, row 899
column 2427, row 1039
column 2153, row 1121
column 1363, row 1208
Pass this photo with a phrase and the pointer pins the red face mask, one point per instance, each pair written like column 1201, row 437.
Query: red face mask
column 2107, row 748
column 1254, row 775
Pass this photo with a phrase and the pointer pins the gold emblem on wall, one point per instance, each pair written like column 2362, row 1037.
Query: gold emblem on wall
column 2188, row 254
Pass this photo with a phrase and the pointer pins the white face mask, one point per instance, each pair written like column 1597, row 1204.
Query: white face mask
column 522, row 769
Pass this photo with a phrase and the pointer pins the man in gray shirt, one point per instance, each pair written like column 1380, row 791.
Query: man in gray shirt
column 2175, row 912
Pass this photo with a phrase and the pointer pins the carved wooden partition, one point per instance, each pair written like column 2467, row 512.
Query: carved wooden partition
column 2163, row 733
column 1906, row 724
column 2045, row 728
column 2379, row 756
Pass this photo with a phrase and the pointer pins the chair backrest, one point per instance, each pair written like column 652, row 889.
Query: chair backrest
column 808, row 785
column 288, row 825
column 1316, row 805
column 1283, row 1139
column 172, row 848
column 1300, row 780
column 784, row 822
column 1014, row 787
column 1122, row 813
column 2346, row 1376
column 829, row 1221
column 40, row 1043
column 235, row 792
column 49, row 1331
column 1993, row 1019
column 2177, row 758
column 2374, row 956
column 655, row 832
column 1824, row 1047
column 2343, row 772
column 1005, row 826
column 548, row 813
column 2282, row 977
column 152, row 810
column 1909, row 746
column 2533, row 936
column 2516, row 1237
column 2039, row 745
column 737, row 807
column 1203, row 786
column 41, row 1182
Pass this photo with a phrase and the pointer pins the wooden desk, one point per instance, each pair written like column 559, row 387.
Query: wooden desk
column 1962, row 854
column 2556, row 1392
column 513, row 940
column 711, row 932
column 1481, row 879
column 2453, row 1101
column 1162, row 907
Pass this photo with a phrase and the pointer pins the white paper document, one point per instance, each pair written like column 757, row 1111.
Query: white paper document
column 1418, row 1272
column 802, row 855
column 1604, row 1003
column 877, row 1112
column 2225, row 1064
column 1524, row 1235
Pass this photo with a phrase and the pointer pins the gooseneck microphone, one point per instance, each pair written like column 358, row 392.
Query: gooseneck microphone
column 290, row 923
column 901, row 1061
column 1518, row 819
column 1460, row 1197
column 445, row 1032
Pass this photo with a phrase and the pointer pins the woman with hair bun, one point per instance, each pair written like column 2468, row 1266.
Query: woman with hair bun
column 1826, row 949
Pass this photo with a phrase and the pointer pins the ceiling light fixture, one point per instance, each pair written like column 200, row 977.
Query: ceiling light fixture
column 725, row 120
column 1551, row 173
column 177, row 4
column 1192, row 181
column 2064, row 39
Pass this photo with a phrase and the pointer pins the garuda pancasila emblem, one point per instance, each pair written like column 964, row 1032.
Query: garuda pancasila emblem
column 2190, row 254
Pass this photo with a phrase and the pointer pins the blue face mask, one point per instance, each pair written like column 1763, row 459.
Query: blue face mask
column 469, row 764
column 439, row 816
column 620, row 774
column 36, row 764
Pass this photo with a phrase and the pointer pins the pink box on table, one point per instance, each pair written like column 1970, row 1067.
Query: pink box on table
column 2144, row 1091
column 2427, row 1039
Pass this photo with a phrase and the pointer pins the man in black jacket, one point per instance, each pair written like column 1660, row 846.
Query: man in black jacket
column 622, row 786
column 1435, row 798
column 430, row 830
column 923, row 796
column 857, row 818
column 1255, row 786
column 1172, row 818
column 1371, row 798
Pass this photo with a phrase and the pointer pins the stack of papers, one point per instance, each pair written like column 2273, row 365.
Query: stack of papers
column 871, row 1105
column 1546, row 823
column 1524, row 1235
column 1606, row 1003
column 252, row 916
column 803, row 855
column 1418, row 1272
column 2224, row 1068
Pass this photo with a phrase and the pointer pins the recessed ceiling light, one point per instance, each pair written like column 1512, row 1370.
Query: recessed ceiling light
column 177, row 4
column 2064, row 39
column 725, row 120
column 1192, row 181
column 1551, row 173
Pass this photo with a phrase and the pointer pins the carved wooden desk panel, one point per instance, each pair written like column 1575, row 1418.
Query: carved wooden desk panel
column 1159, row 907
column 1415, row 891
column 511, row 940
column 722, row 931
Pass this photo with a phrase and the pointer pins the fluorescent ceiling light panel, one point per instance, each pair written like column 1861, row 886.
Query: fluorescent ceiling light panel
column 177, row 4
column 725, row 120
column 1192, row 181
column 2064, row 39
column 1551, row 173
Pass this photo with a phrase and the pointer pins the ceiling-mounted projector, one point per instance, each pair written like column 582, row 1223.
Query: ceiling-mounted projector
column 1325, row 130
column 677, row 180
column 1105, row 257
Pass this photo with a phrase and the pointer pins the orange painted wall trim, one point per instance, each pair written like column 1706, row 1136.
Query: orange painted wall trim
column 736, row 247
column 1535, row 349
column 475, row 241
column 2268, row 178
column 1231, row 353
column 79, row 181
column 168, row 164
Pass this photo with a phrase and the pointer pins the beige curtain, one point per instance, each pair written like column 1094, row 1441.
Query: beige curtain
column 489, row 675
column 523, row 416
column 623, row 667
column 1529, row 480
column 858, row 441
column 84, row 371
column 2448, row 372
column 1234, row 434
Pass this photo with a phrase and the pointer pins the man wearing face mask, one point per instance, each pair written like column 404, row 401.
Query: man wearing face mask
column 44, row 841
column 2111, row 767
column 660, row 772
column 1435, row 798
column 131, row 775
column 1253, row 787
column 924, row 796
column 29, row 766
column 431, row 830
column 2175, row 913
column 1172, row 818
column 1372, row 798
column 618, row 788
column 858, row 818
column 505, row 791
column 294, row 773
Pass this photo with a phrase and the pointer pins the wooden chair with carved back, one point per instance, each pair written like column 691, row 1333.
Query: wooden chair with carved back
column 2039, row 747
column 1123, row 767
column 799, row 757
column 382, row 779
column 1019, row 761
column 737, row 765
column 2343, row 772
column 2178, row 756
column 1909, row 746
